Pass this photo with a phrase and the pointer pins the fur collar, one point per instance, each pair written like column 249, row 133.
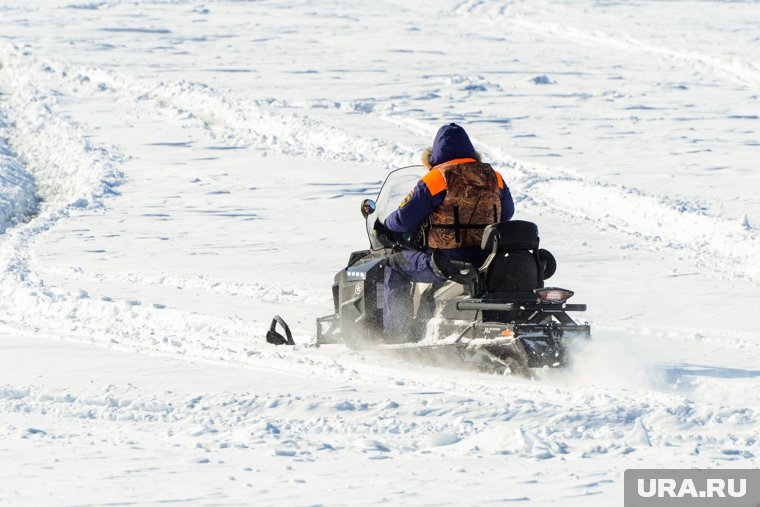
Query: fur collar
column 429, row 151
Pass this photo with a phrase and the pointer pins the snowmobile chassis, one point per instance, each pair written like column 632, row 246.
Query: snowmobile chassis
column 537, row 341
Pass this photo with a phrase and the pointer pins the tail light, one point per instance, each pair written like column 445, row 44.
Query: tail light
column 553, row 294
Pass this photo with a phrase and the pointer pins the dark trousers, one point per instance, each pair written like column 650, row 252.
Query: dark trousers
column 410, row 266
column 404, row 268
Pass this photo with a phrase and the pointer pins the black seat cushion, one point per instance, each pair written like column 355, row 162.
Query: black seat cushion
column 512, row 236
column 513, row 271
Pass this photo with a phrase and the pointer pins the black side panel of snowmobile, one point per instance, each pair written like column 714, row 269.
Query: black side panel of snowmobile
column 360, row 301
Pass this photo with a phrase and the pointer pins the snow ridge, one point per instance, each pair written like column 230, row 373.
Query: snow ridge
column 716, row 243
column 628, row 210
column 498, row 12
column 171, row 384
column 18, row 191
column 566, row 423
column 720, row 244
column 68, row 172
column 243, row 122
column 60, row 150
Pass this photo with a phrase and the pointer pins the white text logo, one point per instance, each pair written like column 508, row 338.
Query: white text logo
column 670, row 488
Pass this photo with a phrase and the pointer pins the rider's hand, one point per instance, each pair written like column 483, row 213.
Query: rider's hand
column 382, row 233
column 380, row 229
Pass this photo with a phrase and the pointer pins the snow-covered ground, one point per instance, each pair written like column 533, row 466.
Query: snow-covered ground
column 173, row 173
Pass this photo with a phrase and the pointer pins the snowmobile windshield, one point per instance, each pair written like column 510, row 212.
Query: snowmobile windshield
column 397, row 185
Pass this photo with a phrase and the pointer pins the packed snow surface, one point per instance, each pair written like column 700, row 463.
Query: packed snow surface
column 172, row 174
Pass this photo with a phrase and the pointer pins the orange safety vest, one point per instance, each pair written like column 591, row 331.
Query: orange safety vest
column 472, row 202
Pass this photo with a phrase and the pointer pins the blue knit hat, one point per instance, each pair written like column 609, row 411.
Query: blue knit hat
column 451, row 142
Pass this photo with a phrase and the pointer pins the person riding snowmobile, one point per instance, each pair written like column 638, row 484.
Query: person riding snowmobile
column 459, row 196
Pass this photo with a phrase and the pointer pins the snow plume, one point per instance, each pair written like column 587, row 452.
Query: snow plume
column 610, row 360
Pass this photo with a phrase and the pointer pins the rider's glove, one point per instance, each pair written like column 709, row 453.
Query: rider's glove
column 383, row 234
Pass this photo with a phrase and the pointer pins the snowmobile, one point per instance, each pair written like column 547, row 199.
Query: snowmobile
column 498, row 315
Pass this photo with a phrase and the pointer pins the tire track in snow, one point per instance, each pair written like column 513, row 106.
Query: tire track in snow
column 160, row 96
column 658, row 221
column 498, row 12
column 124, row 325
column 73, row 176
column 76, row 176
column 718, row 244
column 233, row 123
column 203, row 283
column 536, row 422
column 244, row 122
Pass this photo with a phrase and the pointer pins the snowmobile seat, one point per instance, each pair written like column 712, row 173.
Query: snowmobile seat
column 511, row 236
column 463, row 273
column 514, row 264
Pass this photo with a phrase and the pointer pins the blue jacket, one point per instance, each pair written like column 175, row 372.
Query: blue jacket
column 421, row 202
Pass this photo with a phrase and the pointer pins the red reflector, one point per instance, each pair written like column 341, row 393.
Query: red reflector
column 553, row 294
